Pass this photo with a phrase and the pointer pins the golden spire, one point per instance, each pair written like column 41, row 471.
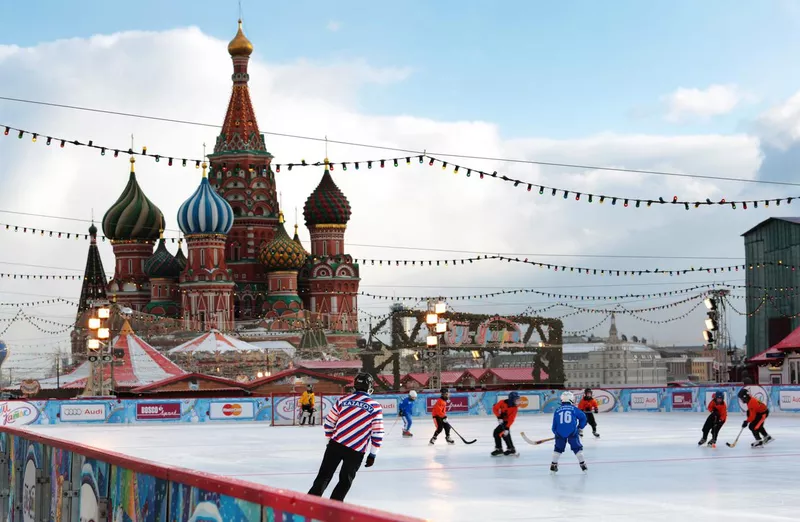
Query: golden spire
column 205, row 166
column 281, row 220
column 240, row 45
column 161, row 233
column 132, row 160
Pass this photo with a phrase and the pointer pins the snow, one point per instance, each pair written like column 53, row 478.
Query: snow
column 645, row 467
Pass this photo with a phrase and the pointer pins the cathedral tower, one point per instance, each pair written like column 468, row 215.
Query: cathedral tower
column 242, row 174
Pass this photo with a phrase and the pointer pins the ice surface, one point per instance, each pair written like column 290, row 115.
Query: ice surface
column 645, row 467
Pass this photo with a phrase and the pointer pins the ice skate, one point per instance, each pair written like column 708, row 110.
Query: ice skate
column 702, row 441
column 432, row 441
column 584, row 468
column 449, row 440
column 757, row 444
column 768, row 439
column 497, row 452
column 407, row 434
column 511, row 453
column 712, row 443
column 553, row 468
column 596, row 434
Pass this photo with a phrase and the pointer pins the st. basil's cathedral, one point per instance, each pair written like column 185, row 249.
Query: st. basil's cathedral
column 241, row 264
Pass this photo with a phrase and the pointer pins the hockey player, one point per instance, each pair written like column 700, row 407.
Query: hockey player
column 406, row 409
column 307, row 403
column 506, row 412
column 714, row 422
column 439, row 414
column 567, row 420
column 757, row 413
column 588, row 405
column 354, row 423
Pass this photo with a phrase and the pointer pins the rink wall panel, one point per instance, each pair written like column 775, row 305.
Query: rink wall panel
column 47, row 479
column 260, row 409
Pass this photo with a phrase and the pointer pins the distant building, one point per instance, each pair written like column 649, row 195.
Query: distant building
column 767, row 246
column 613, row 363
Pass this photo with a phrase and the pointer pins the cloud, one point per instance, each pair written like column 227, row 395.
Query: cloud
column 185, row 74
column 334, row 26
column 690, row 103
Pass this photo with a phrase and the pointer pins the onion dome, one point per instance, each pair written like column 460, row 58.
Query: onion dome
column 327, row 205
column 240, row 45
column 205, row 212
column 93, row 230
column 133, row 217
column 180, row 257
column 282, row 253
column 162, row 263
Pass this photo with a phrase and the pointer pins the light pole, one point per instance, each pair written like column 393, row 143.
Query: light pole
column 98, row 340
column 436, row 329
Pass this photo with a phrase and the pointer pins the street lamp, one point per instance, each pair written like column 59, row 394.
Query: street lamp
column 100, row 334
column 436, row 328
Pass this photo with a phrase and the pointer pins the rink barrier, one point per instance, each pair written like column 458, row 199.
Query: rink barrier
column 48, row 479
column 274, row 410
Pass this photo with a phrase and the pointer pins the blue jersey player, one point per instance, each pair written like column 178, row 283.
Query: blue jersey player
column 567, row 421
column 406, row 410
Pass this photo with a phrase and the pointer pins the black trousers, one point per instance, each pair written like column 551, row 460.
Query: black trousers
column 307, row 408
column 757, row 426
column 590, row 421
column 441, row 425
column 713, row 425
column 507, row 437
column 335, row 454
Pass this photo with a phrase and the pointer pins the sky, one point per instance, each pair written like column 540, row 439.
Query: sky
column 695, row 88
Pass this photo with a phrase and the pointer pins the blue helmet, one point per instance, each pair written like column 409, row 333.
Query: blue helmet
column 719, row 396
column 513, row 397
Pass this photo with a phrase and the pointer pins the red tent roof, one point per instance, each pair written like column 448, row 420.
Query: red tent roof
column 515, row 374
column 790, row 342
column 296, row 371
column 329, row 365
column 225, row 384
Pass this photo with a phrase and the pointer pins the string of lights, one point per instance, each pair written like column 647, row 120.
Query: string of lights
column 54, row 300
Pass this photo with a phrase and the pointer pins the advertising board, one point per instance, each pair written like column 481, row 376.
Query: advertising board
column 231, row 410
column 158, row 410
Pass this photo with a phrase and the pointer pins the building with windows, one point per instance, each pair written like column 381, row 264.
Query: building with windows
column 613, row 362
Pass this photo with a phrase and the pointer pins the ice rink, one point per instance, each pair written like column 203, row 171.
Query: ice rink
column 644, row 467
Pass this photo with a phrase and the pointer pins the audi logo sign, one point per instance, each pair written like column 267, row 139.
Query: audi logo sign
column 82, row 412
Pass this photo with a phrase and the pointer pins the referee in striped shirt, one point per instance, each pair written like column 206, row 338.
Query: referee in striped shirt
column 354, row 423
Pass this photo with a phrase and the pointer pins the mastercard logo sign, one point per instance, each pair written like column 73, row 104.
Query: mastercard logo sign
column 523, row 401
column 232, row 410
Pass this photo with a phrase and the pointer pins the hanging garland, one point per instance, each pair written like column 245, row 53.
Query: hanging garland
column 663, row 321
column 55, row 300
column 44, row 277
column 601, row 198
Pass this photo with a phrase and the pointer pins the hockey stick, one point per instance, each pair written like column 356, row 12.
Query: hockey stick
column 465, row 441
column 535, row 442
column 737, row 439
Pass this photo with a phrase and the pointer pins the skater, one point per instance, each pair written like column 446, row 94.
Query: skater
column 354, row 423
column 757, row 413
column 406, row 409
column 588, row 405
column 307, row 403
column 567, row 420
column 714, row 422
column 439, row 414
column 506, row 412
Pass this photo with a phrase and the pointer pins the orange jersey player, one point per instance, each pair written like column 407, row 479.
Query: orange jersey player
column 588, row 405
column 506, row 413
column 714, row 422
column 439, row 414
column 757, row 413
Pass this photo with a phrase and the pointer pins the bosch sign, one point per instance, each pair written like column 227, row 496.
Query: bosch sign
column 82, row 412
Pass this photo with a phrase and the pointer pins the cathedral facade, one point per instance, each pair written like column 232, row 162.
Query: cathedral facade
column 241, row 264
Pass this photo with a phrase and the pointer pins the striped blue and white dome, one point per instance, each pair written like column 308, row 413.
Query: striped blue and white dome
column 205, row 212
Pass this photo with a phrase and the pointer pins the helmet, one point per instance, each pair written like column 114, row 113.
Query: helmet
column 363, row 382
column 445, row 391
column 587, row 391
column 513, row 397
column 310, row 387
column 743, row 394
column 719, row 396
column 568, row 396
column 413, row 395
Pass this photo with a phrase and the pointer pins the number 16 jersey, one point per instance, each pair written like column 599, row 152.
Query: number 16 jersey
column 567, row 420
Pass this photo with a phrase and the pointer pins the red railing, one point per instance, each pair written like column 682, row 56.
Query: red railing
column 280, row 499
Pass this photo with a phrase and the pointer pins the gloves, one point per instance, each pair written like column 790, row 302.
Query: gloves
column 595, row 410
column 444, row 419
column 744, row 424
column 370, row 461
